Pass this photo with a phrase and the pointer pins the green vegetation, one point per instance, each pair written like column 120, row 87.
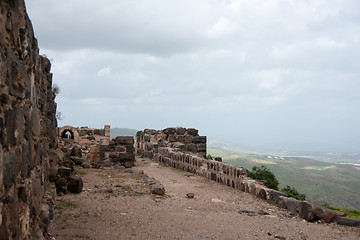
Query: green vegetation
column 349, row 213
column 209, row 157
column 292, row 192
column 321, row 182
column 263, row 173
column 61, row 204
column 78, row 172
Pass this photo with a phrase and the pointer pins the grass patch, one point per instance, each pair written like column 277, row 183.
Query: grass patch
column 349, row 213
column 78, row 172
column 61, row 204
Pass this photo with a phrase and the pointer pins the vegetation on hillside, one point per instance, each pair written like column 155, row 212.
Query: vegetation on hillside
column 349, row 213
column 292, row 192
column 322, row 182
column 263, row 173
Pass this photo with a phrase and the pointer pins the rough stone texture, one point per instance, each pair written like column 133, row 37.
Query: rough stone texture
column 149, row 140
column 157, row 189
column 352, row 222
column 75, row 184
column 120, row 150
column 27, row 127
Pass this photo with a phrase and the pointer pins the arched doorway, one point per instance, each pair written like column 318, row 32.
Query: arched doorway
column 67, row 134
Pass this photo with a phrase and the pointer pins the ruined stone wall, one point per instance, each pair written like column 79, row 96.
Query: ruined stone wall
column 88, row 140
column 156, row 145
column 119, row 151
column 149, row 140
column 27, row 127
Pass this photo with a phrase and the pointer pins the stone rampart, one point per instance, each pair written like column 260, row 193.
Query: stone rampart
column 156, row 145
column 27, row 128
column 149, row 140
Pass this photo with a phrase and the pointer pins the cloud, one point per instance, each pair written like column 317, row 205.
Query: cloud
column 275, row 73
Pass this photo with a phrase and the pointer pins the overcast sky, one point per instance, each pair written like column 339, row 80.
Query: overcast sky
column 279, row 74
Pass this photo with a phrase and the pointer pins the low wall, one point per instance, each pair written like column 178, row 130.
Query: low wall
column 169, row 153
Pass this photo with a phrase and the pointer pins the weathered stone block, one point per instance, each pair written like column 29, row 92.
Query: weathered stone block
column 274, row 197
column 332, row 215
column 10, row 172
column 157, row 189
column 64, row 172
column 192, row 131
column 123, row 157
column 76, row 151
column 75, row 185
column 124, row 140
column 199, row 139
column 201, row 147
column 77, row 160
column 307, row 211
column 352, row 222
column 291, row 204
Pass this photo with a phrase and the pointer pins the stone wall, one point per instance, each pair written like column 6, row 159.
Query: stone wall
column 119, row 151
column 87, row 140
column 156, row 145
column 149, row 140
column 27, row 128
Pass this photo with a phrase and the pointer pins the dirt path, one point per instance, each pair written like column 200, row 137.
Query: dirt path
column 117, row 204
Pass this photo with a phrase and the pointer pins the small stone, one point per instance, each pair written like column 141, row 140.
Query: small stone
column 158, row 189
column 190, row 195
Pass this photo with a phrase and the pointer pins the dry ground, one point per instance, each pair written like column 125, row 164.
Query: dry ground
column 117, row 204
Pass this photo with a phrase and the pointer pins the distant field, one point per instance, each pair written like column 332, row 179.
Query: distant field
column 322, row 182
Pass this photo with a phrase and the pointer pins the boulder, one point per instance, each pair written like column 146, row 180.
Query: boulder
column 64, row 172
column 190, row 195
column 76, row 151
column 157, row 189
column 218, row 159
column 75, row 184
column 332, row 215
column 352, row 222
column 291, row 204
column 77, row 160
column 307, row 211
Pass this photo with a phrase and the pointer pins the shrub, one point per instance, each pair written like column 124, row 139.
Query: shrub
column 209, row 157
column 292, row 192
column 263, row 173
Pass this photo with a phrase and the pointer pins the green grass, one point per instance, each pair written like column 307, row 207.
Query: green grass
column 78, row 172
column 61, row 204
column 349, row 213
column 322, row 182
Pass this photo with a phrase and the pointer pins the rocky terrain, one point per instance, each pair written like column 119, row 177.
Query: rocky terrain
column 118, row 204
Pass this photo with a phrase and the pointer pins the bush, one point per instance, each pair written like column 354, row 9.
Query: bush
column 263, row 173
column 209, row 157
column 292, row 192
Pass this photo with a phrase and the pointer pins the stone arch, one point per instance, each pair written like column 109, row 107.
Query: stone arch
column 70, row 131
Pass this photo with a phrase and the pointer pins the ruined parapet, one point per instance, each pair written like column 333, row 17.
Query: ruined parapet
column 88, row 140
column 168, row 147
column 27, row 128
column 183, row 139
column 119, row 151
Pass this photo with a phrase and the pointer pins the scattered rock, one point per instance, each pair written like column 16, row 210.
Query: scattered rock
column 77, row 160
column 64, row 172
column 75, row 185
column 190, row 195
column 157, row 189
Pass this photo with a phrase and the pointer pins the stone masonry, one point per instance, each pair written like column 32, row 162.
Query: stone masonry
column 149, row 141
column 162, row 146
column 27, row 128
column 94, row 147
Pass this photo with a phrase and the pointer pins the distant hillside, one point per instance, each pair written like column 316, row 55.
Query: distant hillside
column 114, row 132
column 323, row 182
